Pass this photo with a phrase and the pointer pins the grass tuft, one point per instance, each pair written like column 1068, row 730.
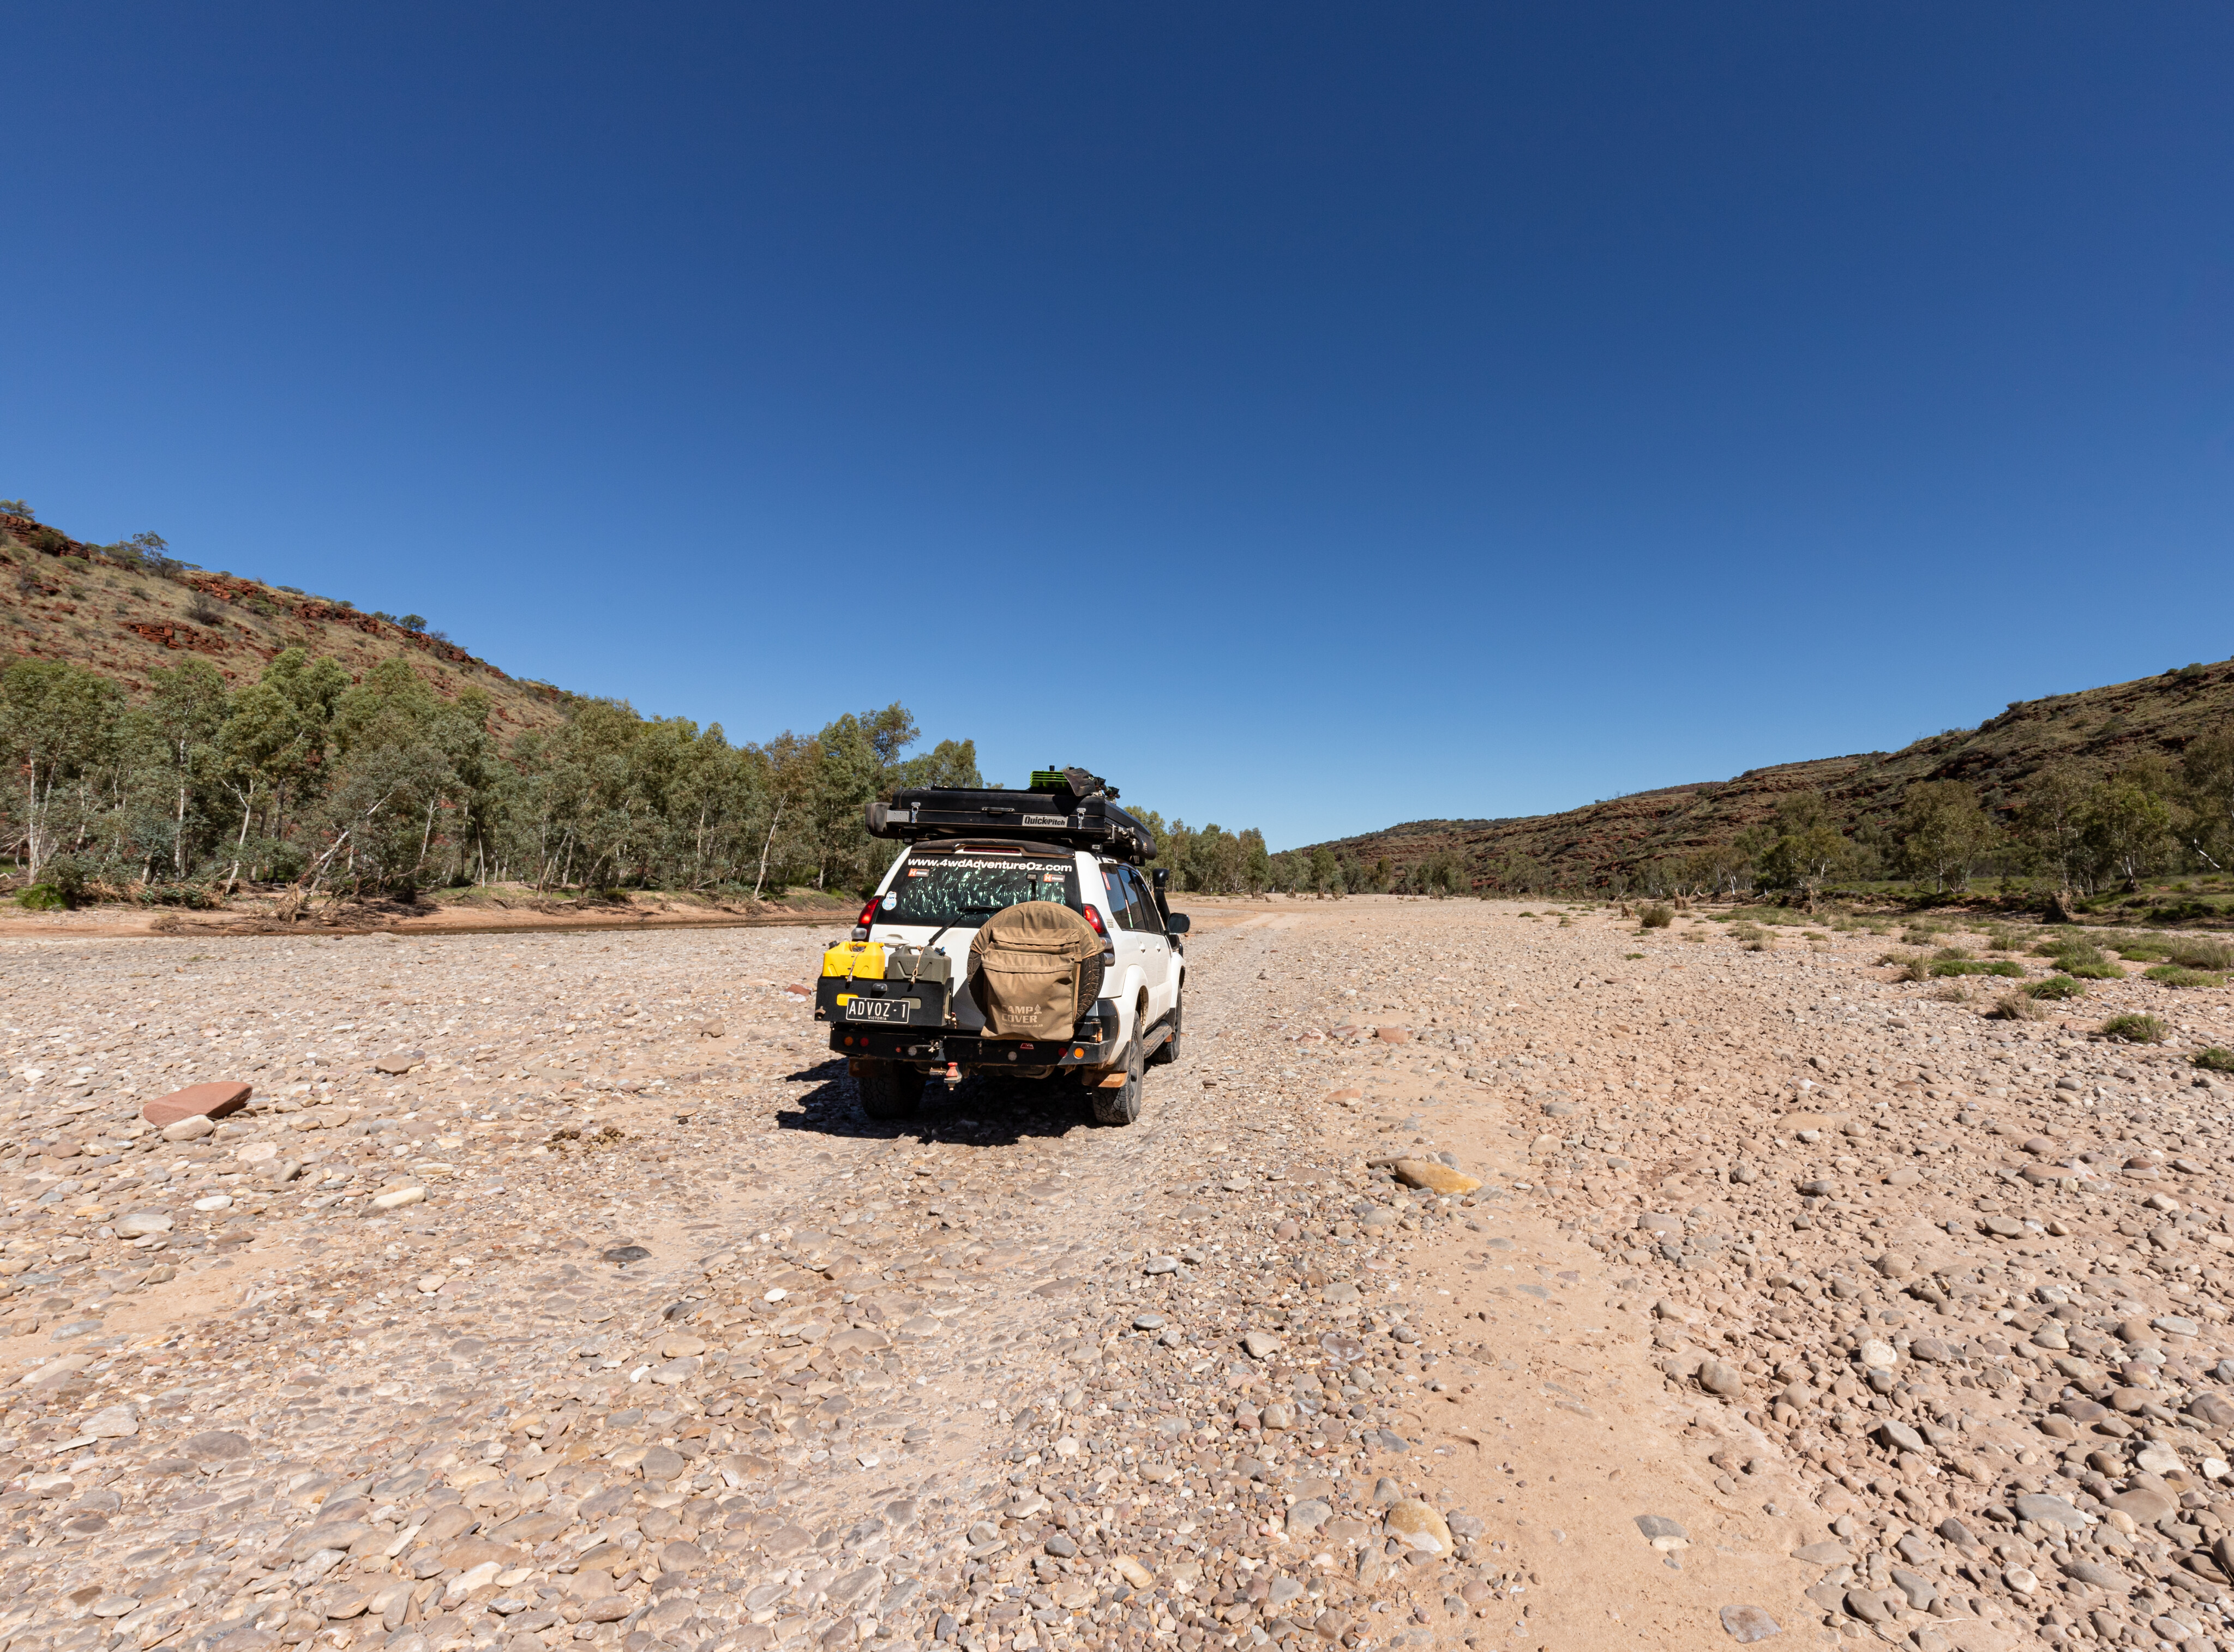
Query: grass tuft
column 2215, row 1058
column 2134, row 1029
column 2174, row 974
column 2016, row 1004
column 2056, row 987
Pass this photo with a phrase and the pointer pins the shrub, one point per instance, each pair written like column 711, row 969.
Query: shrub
column 1954, row 992
column 1655, row 916
column 41, row 898
column 2134, row 1029
column 1952, row 952
column 1974, row 966
column 2173, row 975
column 67, row 875
column 2081, row 958
column 2092, row 969
column 2184, row 911
column 2141, row 951
column 196, row 897
column 2215, row 1058
column 2055, row 987
column 2198, row 953
column 2016, row 1004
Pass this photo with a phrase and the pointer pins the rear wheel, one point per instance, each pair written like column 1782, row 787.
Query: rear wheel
column 1168, row 1051
column 889, row 1089
column 1121, row 1104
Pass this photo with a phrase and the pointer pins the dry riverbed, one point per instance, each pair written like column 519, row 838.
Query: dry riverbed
column 554, row 1289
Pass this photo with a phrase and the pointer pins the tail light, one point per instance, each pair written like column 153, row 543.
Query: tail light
column 1108, row 951
column 868, row 917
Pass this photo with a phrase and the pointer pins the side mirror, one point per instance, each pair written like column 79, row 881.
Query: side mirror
column 1176, row 924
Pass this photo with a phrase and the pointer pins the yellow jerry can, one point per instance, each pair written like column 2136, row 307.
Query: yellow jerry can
column 855, row 961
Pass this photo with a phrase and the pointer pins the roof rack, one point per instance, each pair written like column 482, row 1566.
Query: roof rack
column 1080, row 813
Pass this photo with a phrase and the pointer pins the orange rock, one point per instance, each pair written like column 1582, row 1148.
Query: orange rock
column 197, row 1101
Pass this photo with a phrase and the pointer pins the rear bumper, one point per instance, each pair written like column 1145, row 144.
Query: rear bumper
column 1093, row 1043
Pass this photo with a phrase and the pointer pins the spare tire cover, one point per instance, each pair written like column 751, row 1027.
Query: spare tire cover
column 1028, row 970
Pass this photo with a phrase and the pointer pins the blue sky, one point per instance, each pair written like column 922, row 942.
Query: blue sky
column 1312, row 417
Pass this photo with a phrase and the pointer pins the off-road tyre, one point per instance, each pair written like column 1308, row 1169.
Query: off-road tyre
column 1167, row 1052
column 889, row 1089
column 1120, row 1105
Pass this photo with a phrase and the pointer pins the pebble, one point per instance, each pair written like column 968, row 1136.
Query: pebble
column 1436, row 1178
column 1419, row 1525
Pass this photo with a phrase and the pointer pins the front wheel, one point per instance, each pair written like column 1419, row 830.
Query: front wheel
column 889, row 1089
column 1117, row 1104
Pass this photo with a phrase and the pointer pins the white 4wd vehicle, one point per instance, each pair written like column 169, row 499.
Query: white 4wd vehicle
column 972, row 854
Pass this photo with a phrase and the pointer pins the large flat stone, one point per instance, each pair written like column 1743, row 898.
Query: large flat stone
column 197, row 1101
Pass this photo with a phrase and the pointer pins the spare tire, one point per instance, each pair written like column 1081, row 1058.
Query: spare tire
column 1035, row 969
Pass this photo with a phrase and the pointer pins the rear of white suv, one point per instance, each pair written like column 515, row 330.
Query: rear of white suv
column 931, row 902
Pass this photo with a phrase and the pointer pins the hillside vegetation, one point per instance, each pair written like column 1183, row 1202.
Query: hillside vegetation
column 173, row 735
column 2076, row 791
column 128, row 610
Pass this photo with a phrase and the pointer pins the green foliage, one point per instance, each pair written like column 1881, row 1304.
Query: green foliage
column 2134, row 1029
column 2174, row 974
column 2080, row 959
column 2199, row 952
column 386, row 786
column 41, row 898
column 194, row 896
column 1806, row 847
column 2056, row 987
column 1975, row 966
column 1212, row 860
column 1655, row 916
column 2125, row 827
column 59, row 738
column 2092, row 970
column 2215, row 1058
column 1943, row 832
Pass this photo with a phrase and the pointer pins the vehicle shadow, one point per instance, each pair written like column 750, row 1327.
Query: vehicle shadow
column 983, row 1110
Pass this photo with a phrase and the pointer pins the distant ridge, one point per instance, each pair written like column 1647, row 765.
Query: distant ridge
column 2093, row 731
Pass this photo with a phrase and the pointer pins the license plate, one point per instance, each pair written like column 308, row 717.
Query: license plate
column 898, row 1010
